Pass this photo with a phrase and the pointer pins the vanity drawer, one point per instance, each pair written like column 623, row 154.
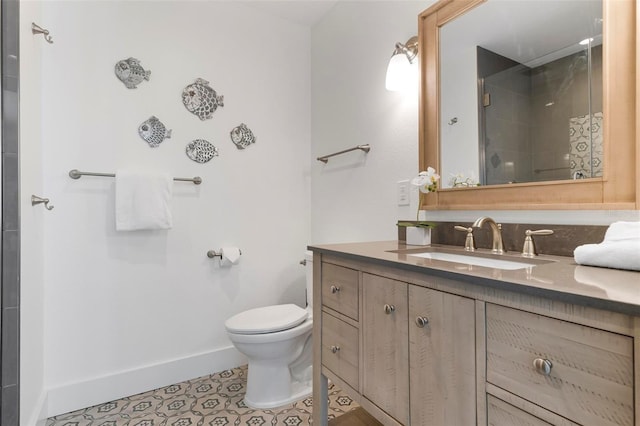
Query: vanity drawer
column 340, row 349
column 590, row 375
column 500, row 413
column 340, row 289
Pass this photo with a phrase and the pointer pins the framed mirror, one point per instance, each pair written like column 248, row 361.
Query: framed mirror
column 538, row 119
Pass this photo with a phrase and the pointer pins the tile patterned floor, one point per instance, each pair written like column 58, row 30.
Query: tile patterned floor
column 215, row 400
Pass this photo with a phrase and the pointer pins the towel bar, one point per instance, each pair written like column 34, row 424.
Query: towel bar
column 325, row 158
column 76, row 174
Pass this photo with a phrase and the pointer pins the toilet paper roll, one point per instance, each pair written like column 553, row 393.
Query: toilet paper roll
column 230, row 256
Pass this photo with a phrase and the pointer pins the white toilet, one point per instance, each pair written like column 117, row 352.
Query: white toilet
column 277, row 342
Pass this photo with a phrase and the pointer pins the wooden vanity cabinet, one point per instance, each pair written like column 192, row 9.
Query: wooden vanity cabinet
column 416, row 349
column 581, row 373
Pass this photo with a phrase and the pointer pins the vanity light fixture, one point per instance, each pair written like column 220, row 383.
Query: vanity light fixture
column 401, row 72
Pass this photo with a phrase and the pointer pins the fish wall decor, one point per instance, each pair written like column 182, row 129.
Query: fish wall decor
column 153, row 131
column 242, row 136
column 200, row 99
column 131, row 73
column 201, row 151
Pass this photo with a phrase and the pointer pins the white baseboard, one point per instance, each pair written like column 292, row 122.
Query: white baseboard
column 74, row 396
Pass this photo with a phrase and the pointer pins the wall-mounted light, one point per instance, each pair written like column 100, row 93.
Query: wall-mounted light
column 401, row 72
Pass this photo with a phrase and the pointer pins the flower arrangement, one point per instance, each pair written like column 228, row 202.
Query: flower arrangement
column 426, row 182
column 419, row 233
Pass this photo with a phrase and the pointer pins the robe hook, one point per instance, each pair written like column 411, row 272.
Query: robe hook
column 35, row 200
column 37, row 29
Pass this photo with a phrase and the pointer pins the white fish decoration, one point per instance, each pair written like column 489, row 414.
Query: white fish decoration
column 201, row 151
column 131, row 73
column 242, row 136
column 200, row 99
column 153, row 131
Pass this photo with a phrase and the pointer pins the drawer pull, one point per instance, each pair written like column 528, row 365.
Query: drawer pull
column 335, row 349
column 335, row 289
column 388, row 309
column 422, row 321
column 542, row 366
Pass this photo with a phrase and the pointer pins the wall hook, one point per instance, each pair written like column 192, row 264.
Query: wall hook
column 37, row 29
column 39, row 200
column 453, row 121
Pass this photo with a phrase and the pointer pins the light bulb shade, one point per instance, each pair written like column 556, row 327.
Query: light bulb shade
column 401, row 74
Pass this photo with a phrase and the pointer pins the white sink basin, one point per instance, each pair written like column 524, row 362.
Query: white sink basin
column 474, row 260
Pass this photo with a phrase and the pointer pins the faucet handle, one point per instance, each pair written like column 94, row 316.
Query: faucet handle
column 469, row 243
column 529, row 248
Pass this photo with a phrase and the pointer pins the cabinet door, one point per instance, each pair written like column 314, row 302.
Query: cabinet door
column 385, row 345
column 442, row 358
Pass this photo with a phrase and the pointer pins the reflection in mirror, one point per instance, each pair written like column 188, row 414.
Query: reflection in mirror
column 521, row 93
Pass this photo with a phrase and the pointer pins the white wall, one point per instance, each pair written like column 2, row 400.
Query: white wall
column 32, row 379
column 128, row 311
column 459, row 99
column 354, row 196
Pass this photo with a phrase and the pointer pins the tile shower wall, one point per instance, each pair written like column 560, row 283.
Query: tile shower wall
column 558, row 98
column 10, row 295
column 507, row 128
column 126, row 311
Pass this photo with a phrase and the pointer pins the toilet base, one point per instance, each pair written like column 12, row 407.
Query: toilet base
column 263, row 392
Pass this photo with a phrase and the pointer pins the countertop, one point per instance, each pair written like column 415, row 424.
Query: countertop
column 556, row 277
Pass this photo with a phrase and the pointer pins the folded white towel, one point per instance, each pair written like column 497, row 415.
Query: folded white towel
column 143, row 200
column 622, row 231
column 621, row 254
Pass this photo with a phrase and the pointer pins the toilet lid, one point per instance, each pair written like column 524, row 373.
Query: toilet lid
column 268, row 319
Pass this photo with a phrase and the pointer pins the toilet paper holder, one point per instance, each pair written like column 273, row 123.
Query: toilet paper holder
column 212, row 253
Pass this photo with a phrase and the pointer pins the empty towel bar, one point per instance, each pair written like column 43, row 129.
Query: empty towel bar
column 325, row 158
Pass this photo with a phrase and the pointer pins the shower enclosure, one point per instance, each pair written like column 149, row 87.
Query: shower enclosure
column 10, row 249
column 540, row 121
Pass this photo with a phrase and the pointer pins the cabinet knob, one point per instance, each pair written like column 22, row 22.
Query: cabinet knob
column 422, row 321
column 542, row 366
column 335, row 289
column 388, row 309
column 335, row 349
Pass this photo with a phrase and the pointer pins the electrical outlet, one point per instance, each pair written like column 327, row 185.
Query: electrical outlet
column 403, row 193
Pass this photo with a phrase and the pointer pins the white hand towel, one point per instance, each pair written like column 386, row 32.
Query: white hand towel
column 143, row 200
column 622, row 231
column 622, row 254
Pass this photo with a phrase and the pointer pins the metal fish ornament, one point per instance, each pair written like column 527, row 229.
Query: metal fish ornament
column 242, row 136
column 201, row 151
column 131, row 73
column 200, row 99
column 153, row 131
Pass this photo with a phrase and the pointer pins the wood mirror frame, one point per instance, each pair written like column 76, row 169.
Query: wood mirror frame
column 617, row 189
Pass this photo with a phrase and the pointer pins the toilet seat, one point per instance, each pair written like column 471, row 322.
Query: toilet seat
column 268, row 319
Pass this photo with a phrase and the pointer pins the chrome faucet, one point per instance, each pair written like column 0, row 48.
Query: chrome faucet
column 497, row 246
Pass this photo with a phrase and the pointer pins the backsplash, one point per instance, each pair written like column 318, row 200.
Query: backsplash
column 562, row 242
